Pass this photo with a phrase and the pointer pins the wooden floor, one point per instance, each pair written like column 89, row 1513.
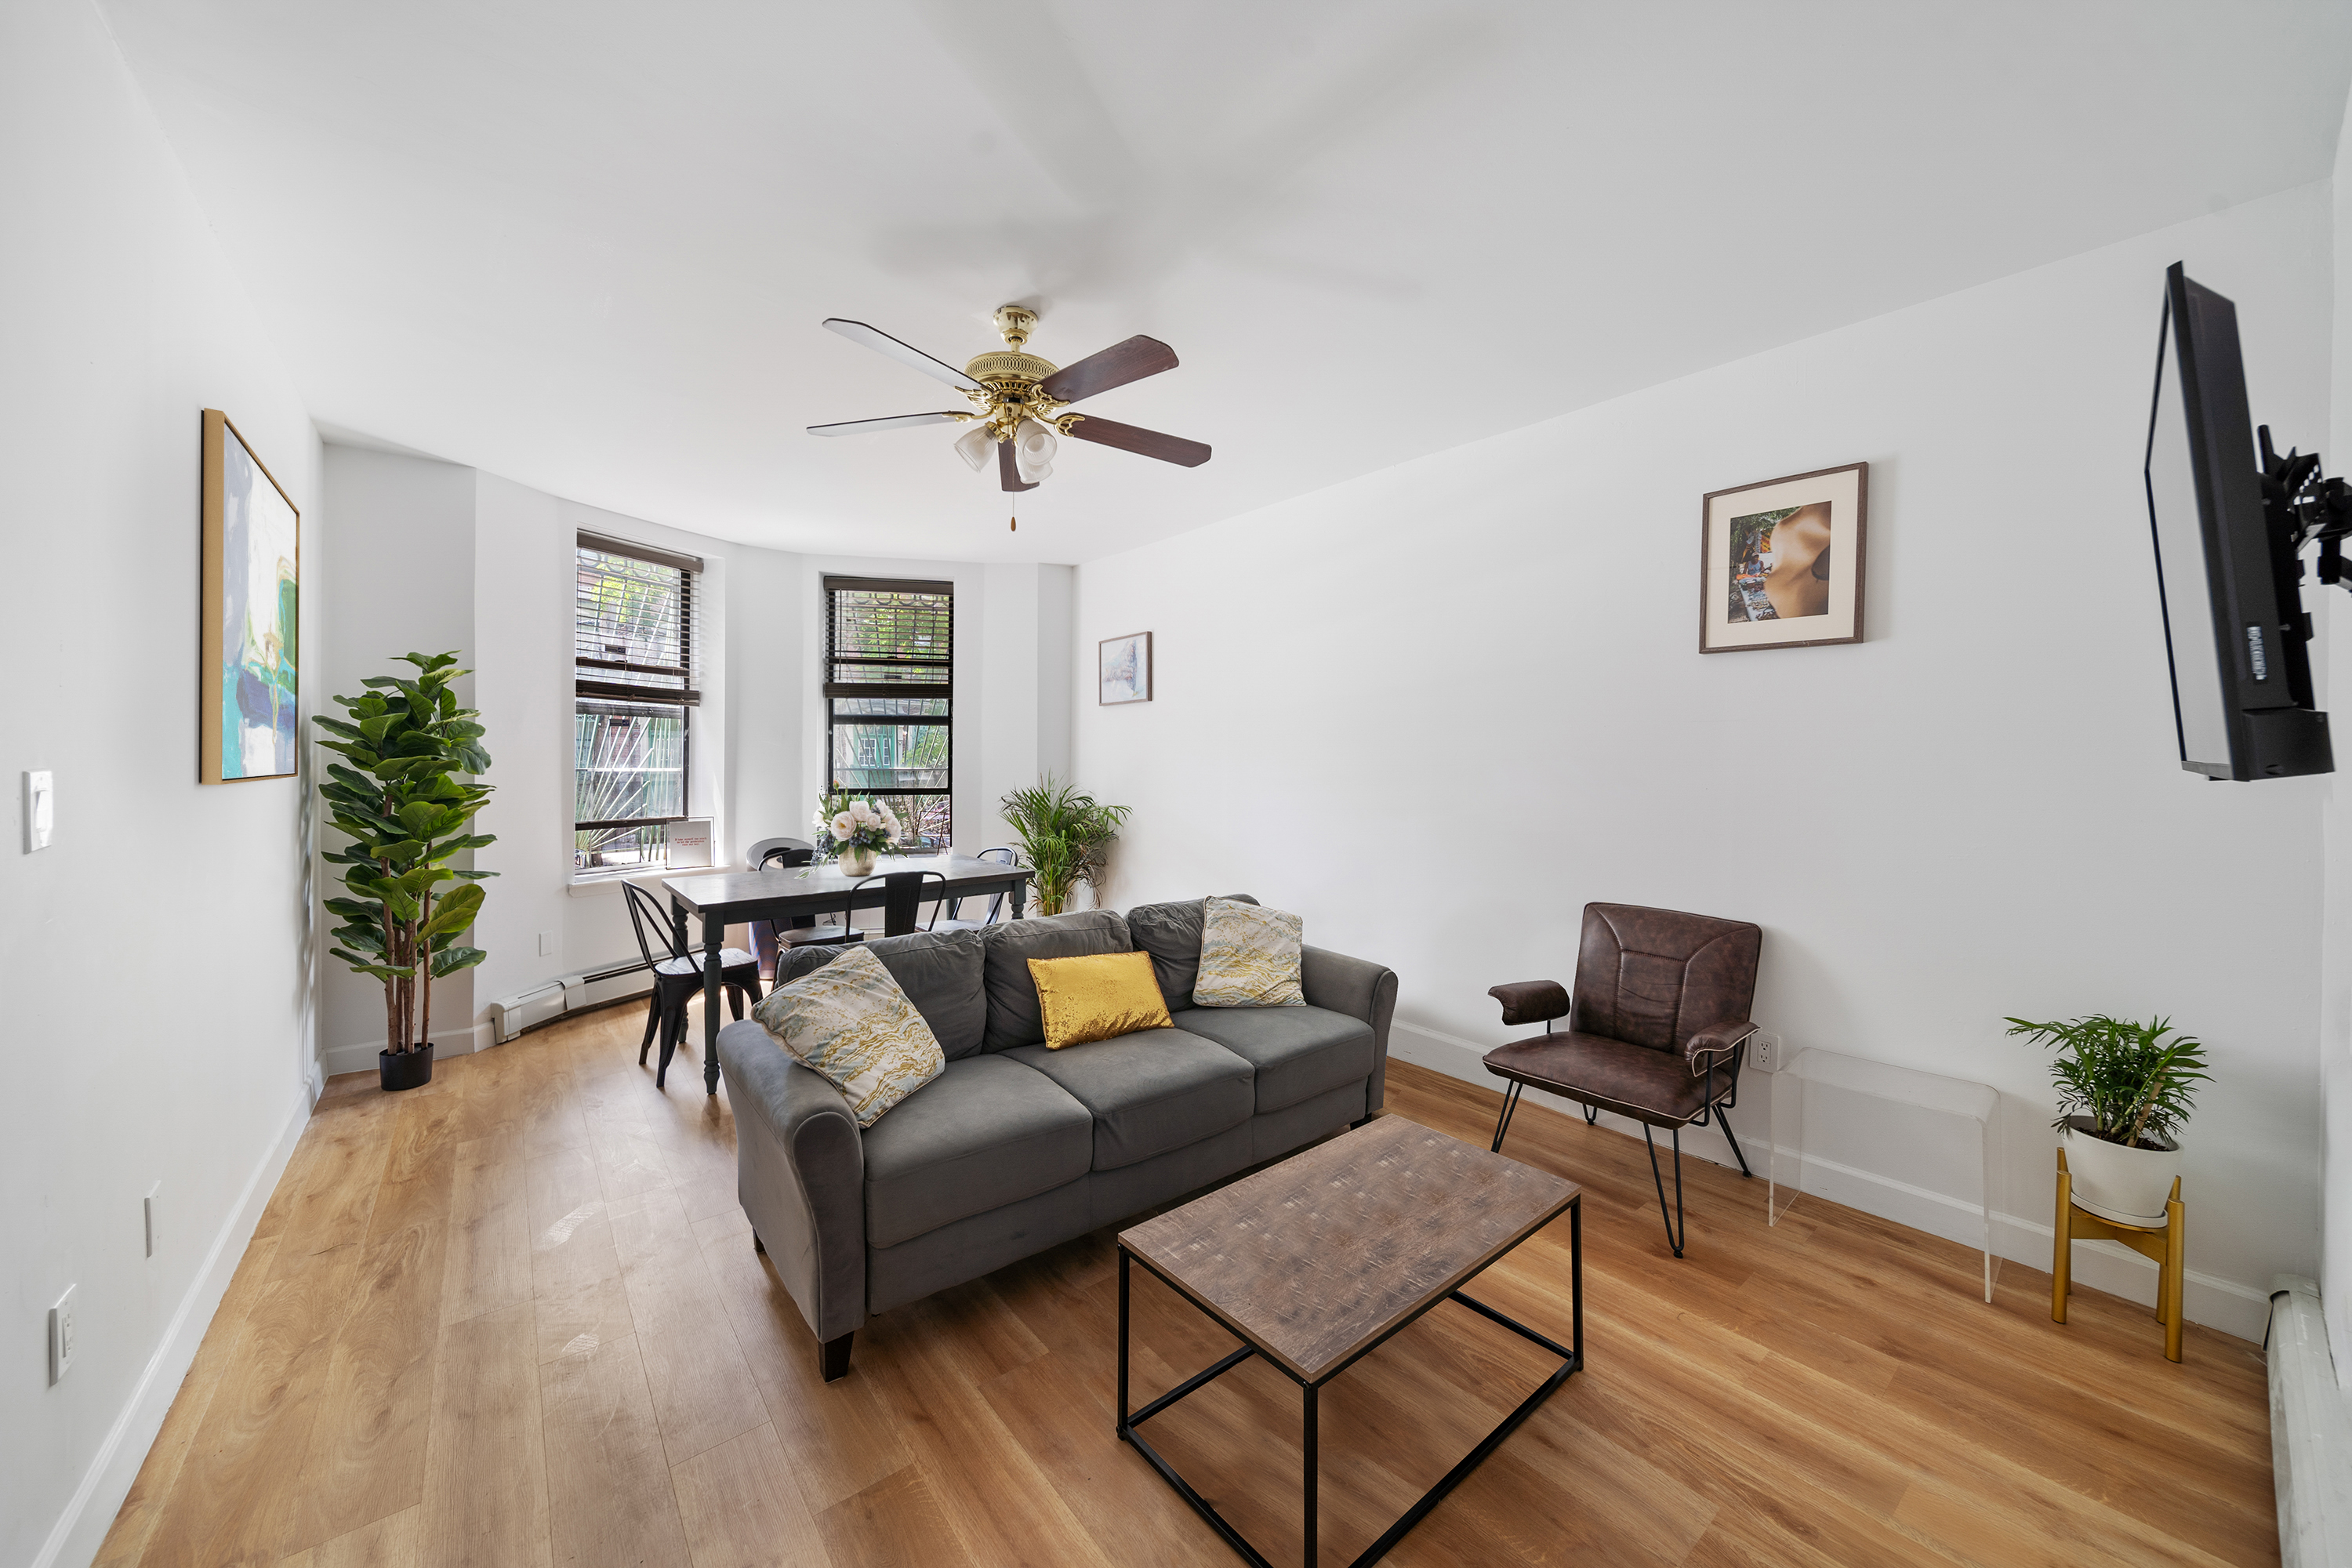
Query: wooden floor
column 515, row 1318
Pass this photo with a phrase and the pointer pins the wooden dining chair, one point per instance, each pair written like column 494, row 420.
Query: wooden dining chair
column 951, row 918
column 678, row 976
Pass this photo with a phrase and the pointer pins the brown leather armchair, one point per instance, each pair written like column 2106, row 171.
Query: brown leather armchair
column 1657, row 1029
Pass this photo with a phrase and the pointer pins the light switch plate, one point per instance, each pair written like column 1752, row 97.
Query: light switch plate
column 61, row 1337
column 40, row 809
column 547, row 945
column 154, row 1206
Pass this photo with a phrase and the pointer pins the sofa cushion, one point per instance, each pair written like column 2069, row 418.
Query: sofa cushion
column 1249, row 957
column 940, row 973
column 1298, row 1052
column 851, row 1021
column 986, row 1133
column 1148, row 1092
column 1097, row 997
column 1014, row 1017
column 1170, row 933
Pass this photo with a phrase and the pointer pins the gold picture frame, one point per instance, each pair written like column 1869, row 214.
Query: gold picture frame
column 1781, row 562
column 249, row 666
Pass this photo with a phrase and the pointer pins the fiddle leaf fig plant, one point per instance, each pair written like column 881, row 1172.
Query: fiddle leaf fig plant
column 2133, row 1081
column 404, row 796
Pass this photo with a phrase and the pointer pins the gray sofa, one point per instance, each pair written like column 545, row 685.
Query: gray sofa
column 1015, row 1147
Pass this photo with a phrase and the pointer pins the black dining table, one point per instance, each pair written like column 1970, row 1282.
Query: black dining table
column 727, row 898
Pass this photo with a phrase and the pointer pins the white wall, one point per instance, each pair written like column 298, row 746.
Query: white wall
column 2334, row 615
column 398, row 580
column 153, row 957
column 1460, row 698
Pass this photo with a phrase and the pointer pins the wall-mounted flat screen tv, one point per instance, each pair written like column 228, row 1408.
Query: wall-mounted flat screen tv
column 2227, row 578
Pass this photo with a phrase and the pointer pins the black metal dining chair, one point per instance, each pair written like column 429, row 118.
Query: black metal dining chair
column 782, row 854
column 902, row 898
column 951, row 918
column 678, row 976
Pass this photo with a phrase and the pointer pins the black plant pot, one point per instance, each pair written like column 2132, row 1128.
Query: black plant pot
column 405, row 1070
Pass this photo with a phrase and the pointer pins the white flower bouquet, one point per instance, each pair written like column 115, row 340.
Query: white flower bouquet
column 848, row 825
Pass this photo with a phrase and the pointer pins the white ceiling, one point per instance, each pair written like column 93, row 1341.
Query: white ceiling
column 586, row 244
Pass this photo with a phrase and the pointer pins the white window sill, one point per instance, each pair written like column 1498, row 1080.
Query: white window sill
column 588, row 884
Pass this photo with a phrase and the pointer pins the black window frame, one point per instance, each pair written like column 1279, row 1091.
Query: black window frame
column 617, row 684
column 836, row 691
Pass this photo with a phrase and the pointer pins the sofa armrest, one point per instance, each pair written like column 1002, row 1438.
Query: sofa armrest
column 800, row 1171
column 1715, row 1042
column 1361, row 989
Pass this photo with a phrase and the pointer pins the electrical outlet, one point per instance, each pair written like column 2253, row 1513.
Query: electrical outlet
column 61, row 1337
column 1764, row 1052
column 154, row 1219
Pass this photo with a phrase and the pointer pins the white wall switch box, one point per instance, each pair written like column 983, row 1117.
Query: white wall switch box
column 40, row 809
column 154, row 1219
column 61, row 1337
column 547, row 945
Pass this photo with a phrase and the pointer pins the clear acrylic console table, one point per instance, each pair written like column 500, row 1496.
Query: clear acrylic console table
column 1878, row 1080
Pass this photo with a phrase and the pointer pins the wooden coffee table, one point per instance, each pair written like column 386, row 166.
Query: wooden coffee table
column 1317, row 1260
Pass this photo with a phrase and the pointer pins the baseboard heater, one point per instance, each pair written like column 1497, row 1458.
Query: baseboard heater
column 2311, row 1432
column 511, row 1015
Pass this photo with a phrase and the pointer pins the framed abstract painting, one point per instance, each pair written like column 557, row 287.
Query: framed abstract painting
column 246, row 719
column 1126, row 668
column 1781, row 561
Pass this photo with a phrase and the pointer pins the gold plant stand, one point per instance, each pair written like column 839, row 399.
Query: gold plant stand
column 2163, row 1242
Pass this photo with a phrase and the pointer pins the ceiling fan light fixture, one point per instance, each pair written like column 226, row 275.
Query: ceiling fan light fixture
column 1033, row 450
column 973, row 447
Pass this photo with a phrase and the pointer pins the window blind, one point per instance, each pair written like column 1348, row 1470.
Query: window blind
column 633, row 659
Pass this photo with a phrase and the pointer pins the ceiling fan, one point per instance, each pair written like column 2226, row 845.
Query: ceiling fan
column 1017, row 400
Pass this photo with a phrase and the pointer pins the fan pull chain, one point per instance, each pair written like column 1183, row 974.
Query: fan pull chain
column 1015, row 526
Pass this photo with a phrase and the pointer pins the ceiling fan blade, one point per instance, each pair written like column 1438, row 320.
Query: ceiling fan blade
column 1114, row 367
column 1135, row 438
column 1008, row 472
column 895, row 422
column 912, row 358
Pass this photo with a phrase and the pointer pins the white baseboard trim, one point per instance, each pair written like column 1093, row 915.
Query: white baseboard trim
column 81, row 1529
column 451, row 1042
column 2230, row 1305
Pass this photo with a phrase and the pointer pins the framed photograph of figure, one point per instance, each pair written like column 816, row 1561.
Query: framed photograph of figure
column 1126, row 668
column 1781, row 561
column 247, row 720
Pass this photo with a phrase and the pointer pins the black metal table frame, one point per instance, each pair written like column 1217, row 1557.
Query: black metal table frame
column 1572, row 1361
column 1013, row 881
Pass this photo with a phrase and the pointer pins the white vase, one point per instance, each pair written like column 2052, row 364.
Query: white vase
column 2128, row 1186
column 858, row 862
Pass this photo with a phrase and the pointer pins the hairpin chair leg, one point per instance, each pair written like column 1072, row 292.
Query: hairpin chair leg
column 1736, row 1151
column 1503, row 1121
column 1591, row 1113
column 1677, row 1228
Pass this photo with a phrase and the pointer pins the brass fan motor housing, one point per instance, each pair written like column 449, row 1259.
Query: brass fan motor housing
column 1011, row 377
column 1004, row 365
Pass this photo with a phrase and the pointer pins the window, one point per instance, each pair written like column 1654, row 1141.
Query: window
column 633, row 654
column 889, row 681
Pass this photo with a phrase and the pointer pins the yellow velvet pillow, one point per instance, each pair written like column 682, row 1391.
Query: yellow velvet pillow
column 1097, row 996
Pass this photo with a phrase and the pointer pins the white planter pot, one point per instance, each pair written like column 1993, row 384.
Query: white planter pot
column 856, row 862
column 2128, row 1186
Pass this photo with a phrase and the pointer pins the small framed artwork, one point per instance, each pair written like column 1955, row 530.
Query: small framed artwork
column 1781, row 561
column 248, row 722
column 1127, row 668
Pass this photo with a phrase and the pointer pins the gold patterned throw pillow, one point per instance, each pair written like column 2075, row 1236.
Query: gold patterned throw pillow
column 1249, row 957
column 849, row 1021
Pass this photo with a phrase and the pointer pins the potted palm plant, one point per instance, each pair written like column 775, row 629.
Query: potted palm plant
column 404, row 797
column 1065, row 837
column 2124, row 1091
